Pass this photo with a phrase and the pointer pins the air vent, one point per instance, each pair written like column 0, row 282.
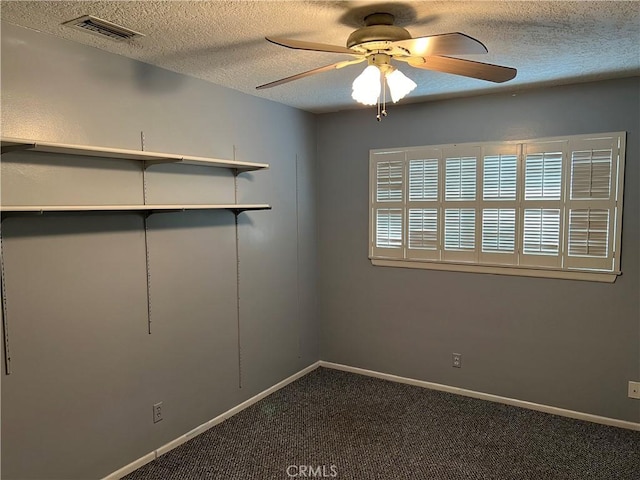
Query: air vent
column 103, row 28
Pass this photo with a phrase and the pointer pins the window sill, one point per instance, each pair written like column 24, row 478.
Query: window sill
column 606, row 277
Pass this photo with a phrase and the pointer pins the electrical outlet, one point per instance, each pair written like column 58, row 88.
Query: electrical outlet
column 157, row 412
column 457, row 360
column 634, row 390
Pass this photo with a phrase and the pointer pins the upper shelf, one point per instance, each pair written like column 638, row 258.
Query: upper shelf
column 130, row 208
column 150, row 158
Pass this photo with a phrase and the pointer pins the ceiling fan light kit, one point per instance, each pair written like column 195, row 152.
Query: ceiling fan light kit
column 367, row 86
column 379, row 42
column 399, row 85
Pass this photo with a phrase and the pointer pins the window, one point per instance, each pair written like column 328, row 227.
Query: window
column 549, row 207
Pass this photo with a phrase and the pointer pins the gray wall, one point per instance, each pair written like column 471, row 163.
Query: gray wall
column 85, row 372
column 569, row 344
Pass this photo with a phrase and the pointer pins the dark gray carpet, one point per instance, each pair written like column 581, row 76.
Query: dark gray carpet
column 361, row 428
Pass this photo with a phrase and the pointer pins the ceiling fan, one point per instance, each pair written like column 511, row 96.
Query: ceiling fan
column 380, row 41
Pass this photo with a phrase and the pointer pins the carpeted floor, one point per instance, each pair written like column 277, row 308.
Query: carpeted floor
column 333, row 424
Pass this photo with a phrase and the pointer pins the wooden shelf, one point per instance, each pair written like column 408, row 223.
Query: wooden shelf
column 150, row 158
column 129, row 208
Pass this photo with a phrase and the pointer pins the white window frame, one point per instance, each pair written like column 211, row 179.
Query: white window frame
column 604, row 269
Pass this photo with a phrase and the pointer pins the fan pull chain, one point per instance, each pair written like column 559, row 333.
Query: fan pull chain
column 383, row 113
column 384, row 95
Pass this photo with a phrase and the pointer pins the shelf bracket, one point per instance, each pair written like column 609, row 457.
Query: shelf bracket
column 146, row 216
column 148, row 213
column 236, row 212
column 238, row 322
column 149, row 163
column 148, row 271
column 17, row 148
column 5, row 319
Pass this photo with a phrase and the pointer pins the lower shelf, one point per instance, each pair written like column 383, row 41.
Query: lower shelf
column 129, row 208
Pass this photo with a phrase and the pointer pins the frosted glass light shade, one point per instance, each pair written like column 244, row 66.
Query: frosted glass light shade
column 366, row 87
column 399, row 85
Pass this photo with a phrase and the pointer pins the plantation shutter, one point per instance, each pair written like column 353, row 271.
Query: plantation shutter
column 461, row 220
column 387, row 178
column 499, row 204
column 460, row 226
column 542, row 204
column 499, row 178
column 549, row 208
column 498, row 230
column 592, row 207
column 389, row 227
column 423, row 232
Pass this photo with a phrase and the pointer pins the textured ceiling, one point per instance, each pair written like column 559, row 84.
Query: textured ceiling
column 550, row 43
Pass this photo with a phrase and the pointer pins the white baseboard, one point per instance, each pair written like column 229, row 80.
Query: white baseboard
column 487, row 396
column 127, row 469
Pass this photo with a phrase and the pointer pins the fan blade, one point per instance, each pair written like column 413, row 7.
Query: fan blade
column 445, row 44
column 466, row 68
column 326, row 68
column 316, row 47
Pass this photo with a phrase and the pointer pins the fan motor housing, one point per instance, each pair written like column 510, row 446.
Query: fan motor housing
column 378, row 31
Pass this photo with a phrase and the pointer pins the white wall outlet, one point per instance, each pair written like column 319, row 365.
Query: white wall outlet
column 634, row 390
column 157, row 412
column 457, row 360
